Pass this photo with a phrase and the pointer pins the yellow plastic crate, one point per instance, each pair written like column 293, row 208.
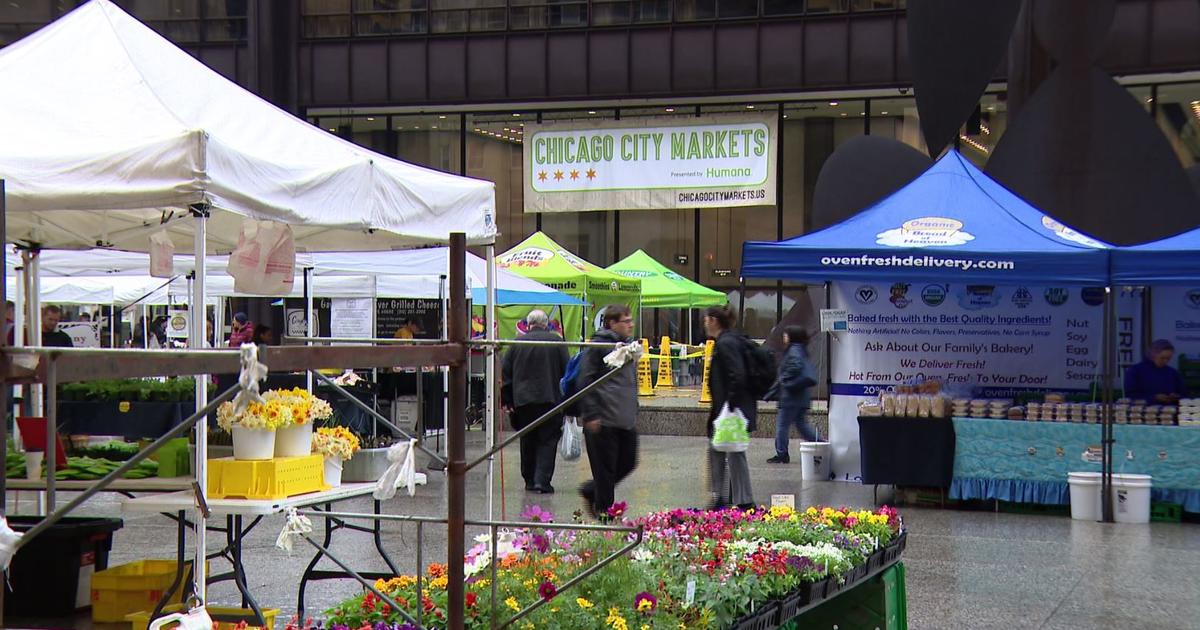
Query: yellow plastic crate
column 277, row 478
column 225, row 618
column 128, row 588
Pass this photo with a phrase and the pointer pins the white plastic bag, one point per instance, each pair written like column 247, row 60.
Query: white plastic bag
column 729, row 431
column 162, row 256
column 570, row 445
column 264, row 261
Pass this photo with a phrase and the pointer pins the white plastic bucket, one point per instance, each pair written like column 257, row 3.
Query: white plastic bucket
column 1131, row 498
column 33, row 464
column 814, row 461
column 253, row 444
column 333, row 471
column 294, row 440
column 1085, row 495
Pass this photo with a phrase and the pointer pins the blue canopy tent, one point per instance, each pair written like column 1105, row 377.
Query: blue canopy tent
column 1172, row 260
column 952, row 222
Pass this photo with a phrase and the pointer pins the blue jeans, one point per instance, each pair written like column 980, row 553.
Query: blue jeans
column 789, row 416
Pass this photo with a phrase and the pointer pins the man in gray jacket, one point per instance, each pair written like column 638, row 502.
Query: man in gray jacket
column 531, row 376
column 609, row 414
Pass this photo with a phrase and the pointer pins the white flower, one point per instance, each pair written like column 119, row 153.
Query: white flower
column 641, row 554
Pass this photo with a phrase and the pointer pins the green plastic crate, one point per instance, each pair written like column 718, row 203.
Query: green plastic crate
column 1165, row 512
column 878, row 604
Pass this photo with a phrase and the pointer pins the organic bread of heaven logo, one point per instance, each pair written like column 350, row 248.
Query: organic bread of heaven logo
column 1192, row 299
column 975, row 297
column 1067, row 234
column 926, row 232
column 528, row 257
column 866, row 294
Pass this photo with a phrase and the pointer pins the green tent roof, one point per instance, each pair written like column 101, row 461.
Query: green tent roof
column 540, row 258
column 663, row 288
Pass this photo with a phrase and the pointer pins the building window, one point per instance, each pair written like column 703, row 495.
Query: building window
column 609, row 12
column 1178, row 113
column 388, row 17
column 826, row 6
column 191, row 21
column 458, row 16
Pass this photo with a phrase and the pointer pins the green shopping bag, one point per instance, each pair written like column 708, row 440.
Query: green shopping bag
column 729, row 431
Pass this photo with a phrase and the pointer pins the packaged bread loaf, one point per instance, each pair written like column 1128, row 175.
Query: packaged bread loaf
column 887, row 400
column 924, row 405
column 939, row 408
column 912, row 407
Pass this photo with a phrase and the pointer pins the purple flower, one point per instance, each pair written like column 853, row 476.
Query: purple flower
column 547, row 591
column 645, row 603
column 800, row 563
column 540, row 543
column 536, row 514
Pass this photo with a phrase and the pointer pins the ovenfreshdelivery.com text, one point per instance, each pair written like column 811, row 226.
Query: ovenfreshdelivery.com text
column 957, row 264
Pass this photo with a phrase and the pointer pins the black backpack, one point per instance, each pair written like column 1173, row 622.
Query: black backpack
column 760, row 369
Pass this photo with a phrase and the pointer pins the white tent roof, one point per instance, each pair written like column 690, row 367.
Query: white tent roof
column 408, row 273
column 107, row 129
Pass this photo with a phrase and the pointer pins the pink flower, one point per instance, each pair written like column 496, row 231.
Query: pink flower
column 536, row 514
column 547, row 591
column 645, row 603
column 617, row 510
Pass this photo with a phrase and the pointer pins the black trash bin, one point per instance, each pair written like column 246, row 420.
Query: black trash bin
column 53, row 573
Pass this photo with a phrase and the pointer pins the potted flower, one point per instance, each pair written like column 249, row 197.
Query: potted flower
column 335, row 444
column 254, row 428
column 295, row 438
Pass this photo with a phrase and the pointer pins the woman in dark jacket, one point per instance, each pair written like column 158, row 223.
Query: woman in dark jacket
column 792, row 389
column 729, row 472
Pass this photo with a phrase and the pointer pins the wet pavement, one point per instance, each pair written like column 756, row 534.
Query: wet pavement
column 965, row 569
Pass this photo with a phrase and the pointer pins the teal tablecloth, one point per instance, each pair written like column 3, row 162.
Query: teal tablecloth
column 1028, row 462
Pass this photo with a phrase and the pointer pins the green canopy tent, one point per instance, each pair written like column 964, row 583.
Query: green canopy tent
column 540, row 258
column 663, row 288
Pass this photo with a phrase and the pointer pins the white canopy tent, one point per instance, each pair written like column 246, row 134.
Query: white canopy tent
column 164, row 139
column 161, row 132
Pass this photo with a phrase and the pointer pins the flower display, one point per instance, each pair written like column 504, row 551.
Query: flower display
column 335, row 442
column 306, row 408
column 279, row 408
column 693, row 569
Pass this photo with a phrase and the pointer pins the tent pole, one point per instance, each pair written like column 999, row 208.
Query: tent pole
column 489, row 328
column 34, row 301
column 456, row 490
column 742, row 303
column 828, row 355
column 1106, row 428
column 309, row 329
column 195, row 340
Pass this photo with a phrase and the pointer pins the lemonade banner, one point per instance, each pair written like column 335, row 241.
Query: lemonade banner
column 703, row 162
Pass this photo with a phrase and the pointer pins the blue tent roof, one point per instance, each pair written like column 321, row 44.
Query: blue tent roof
column 953, row 223
column 1172, row 260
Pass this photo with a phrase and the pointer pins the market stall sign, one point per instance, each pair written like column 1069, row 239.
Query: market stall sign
column 707, row 162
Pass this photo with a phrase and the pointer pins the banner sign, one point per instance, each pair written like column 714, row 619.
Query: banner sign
column 704, row 162
column 351, row 317
column 1176, row 318
column 83, row 334
column 980, row 341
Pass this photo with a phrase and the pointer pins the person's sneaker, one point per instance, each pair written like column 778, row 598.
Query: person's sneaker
column 547, row 489
column 780, row 459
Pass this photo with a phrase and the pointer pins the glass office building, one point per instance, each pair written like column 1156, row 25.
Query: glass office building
column 453, row 85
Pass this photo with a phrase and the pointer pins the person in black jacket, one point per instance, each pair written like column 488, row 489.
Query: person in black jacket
column 729, row 473
column 609, row 413
column 531, row 376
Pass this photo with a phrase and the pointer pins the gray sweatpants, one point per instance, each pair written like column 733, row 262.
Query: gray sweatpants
column 729, row 474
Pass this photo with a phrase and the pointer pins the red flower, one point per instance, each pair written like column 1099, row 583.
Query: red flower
column 472, row 599
column 547, row 591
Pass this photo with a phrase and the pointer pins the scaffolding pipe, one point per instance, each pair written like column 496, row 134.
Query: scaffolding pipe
column 456, row 424
column 489, row 385
column 195, row 341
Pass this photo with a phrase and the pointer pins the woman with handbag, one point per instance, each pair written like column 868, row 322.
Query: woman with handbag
column 728, row 382
column 792, row 391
